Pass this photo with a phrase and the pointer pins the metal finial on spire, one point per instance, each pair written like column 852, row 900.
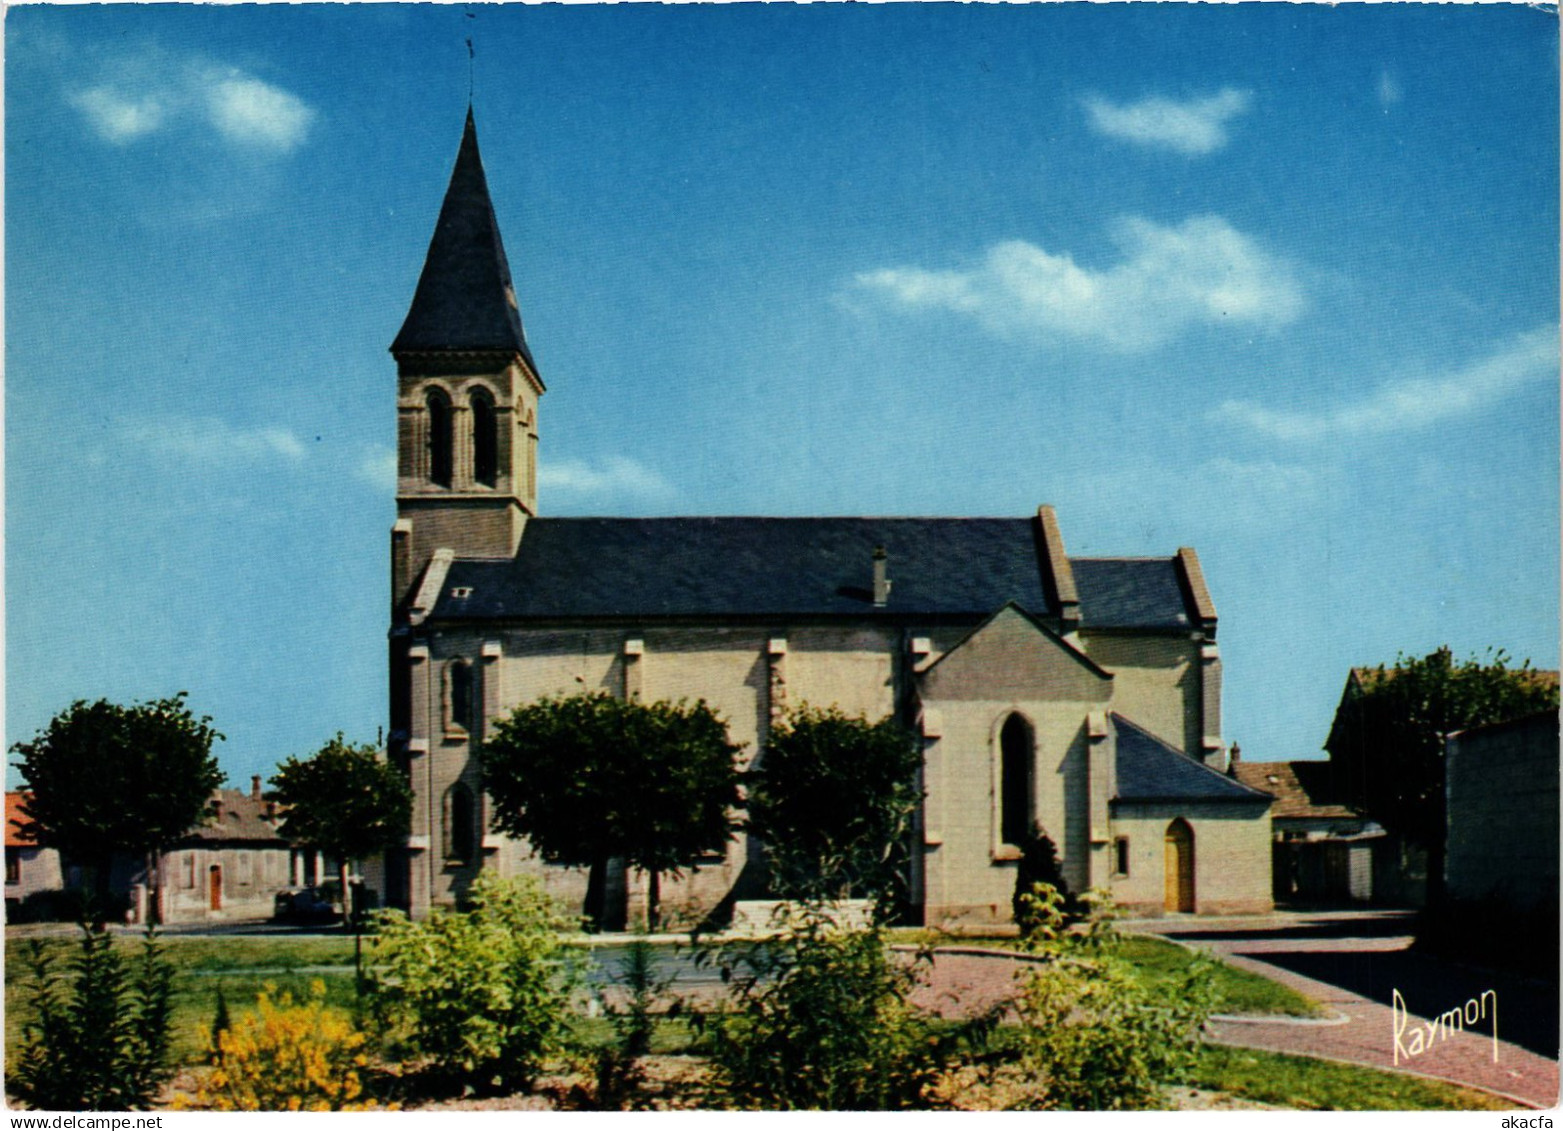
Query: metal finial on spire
column 471, row 56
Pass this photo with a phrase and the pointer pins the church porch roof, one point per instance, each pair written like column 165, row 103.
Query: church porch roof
column 1150, row 769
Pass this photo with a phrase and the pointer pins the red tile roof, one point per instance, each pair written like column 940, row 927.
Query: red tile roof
column 1302, row 789
column 14, row 819
column 243, row 819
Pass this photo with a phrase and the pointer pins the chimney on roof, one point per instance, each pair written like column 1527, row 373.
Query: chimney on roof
column 1232, row 756
column 881, row 580
column 217, row 808
column 271, row 810
column 255, row 788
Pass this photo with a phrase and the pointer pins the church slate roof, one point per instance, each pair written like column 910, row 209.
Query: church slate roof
column 1131, row 593
column 1152, row 770
column 571, row 568
column 465, row 299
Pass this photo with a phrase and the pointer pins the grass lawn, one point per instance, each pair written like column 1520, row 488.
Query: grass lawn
column 241, row 966
column 1160, row 966
column 1324, row 1085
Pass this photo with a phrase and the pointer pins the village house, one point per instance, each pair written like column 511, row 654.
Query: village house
column 230, row 866
column 1078, row 695
column 29, row 867
column 1323, row 850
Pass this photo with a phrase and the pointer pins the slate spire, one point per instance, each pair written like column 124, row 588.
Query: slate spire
column 465, row 300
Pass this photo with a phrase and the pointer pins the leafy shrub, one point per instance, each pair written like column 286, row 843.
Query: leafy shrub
column 285, row 1057
column 1049, row 920
column 618, row 1070
column 484, row 993
column 822, row 1022
column 98, row 1039
column 1090, row 1039
column 1039, row 913
column 1038, row 864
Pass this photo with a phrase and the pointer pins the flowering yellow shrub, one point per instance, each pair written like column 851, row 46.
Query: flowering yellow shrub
column 285, row 1057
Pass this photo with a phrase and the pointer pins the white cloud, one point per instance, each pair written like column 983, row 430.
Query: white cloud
column 1413, row 403
column 617, row 475
column 1192, row 127
column 210, row 441
column 1263, row 484
column 1168, row 279
column 1388, row 90
column 378, row 469
column 143, row 94
column 252, row 112
column 118, row 117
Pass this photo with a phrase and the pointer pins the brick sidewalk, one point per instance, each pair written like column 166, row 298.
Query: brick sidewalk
column 1368, row 1034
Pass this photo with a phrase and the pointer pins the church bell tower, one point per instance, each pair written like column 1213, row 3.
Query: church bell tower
column 467, row 392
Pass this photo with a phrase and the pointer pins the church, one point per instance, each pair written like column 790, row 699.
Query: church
column 1081, row 696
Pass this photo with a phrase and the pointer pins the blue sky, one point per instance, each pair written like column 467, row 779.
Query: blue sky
column 1273, row 281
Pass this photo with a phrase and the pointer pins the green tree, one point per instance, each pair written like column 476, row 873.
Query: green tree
column 102, row 778
column 1387, row 742
column 588, row 778
column 343, row 800
column 833, row 799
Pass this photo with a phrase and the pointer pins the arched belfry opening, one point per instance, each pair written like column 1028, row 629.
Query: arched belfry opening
column 1017, row 762
column 441, row 438
column 485, row 439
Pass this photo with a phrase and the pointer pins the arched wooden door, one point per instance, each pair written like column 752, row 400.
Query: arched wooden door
column 1178, row 871
column 215, row 879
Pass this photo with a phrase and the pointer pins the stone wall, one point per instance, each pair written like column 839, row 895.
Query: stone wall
column 1156, row 682
column 1504, row 777
column 747, row 675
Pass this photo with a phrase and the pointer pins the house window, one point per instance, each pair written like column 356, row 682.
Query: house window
column 1121, row 856
column 1016, row 756
column 460, row 824
column 187, row 874
column 458, row 698
column 485, row 439
column 13, row 866
column 441, row 445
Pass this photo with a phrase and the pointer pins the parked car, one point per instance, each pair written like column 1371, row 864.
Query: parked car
column 305, row 905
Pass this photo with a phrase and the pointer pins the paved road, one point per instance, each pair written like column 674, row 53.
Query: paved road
column 1355, row 963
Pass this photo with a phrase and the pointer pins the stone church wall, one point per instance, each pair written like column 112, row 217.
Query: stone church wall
column 1156, row 682
column 741, row 673
column 1231, row 856
column 969, row 873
